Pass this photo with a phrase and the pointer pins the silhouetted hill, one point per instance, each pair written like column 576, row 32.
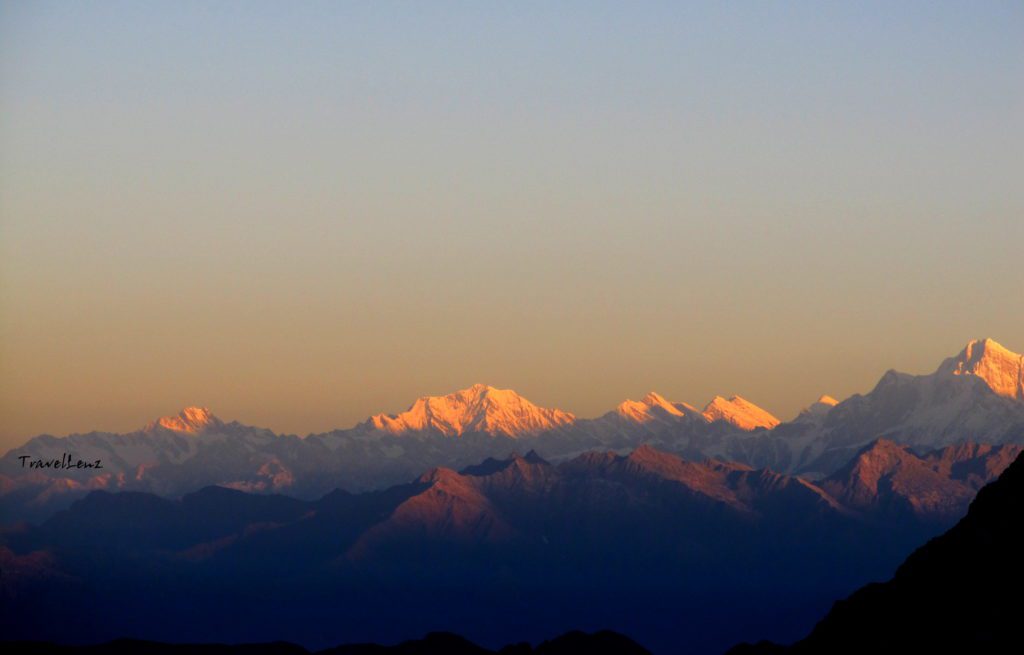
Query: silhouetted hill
column 140, row 647
column 435, row 643
column 959, row 593
column 604, row 642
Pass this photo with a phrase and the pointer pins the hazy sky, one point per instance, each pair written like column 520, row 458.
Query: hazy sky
column 299, row 214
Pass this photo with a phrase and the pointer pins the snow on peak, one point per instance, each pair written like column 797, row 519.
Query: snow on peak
column 651, row 407
column 190, row 419
column 823, row 405
column 1001, row 369
column 654, row 398
column 740, row 412
column 480, row 408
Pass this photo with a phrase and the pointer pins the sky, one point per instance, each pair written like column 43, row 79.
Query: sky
column 301, row 214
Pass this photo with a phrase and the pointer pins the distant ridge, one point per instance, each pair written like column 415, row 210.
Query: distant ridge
column 975, row 396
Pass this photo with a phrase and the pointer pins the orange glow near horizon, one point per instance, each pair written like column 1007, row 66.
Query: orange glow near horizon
column 583, row 206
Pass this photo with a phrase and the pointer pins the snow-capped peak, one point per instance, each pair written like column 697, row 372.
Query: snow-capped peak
column 1001, row 369
column 823, row 405
column 651, row 407
column 479, row 408
column 740, row 412
column 190, row 419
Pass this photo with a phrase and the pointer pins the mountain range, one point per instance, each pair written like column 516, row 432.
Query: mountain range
column 506, row 549
column 963, row 581
column 977, row 395
column 953, row 594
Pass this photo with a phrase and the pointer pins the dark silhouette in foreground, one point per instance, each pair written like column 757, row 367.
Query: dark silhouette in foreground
column 435, row 643
column 959, row 593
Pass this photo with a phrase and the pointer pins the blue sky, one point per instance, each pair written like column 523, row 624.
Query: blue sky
column 302, row 213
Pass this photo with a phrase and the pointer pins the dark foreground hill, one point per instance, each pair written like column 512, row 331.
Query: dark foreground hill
column 959, row 593
column 436, row 643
